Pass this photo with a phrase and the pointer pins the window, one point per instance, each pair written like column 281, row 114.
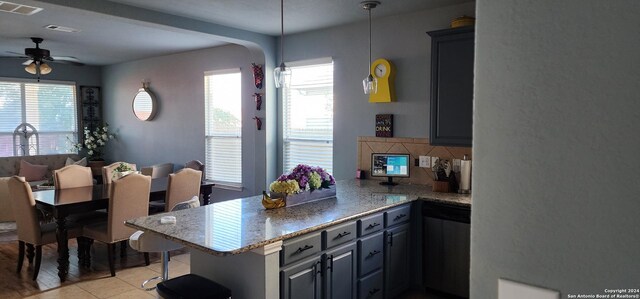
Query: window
column 223, row 121
column 308, row 116
column 50, row 107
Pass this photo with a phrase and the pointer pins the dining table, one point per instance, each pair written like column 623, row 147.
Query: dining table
column 60, row 203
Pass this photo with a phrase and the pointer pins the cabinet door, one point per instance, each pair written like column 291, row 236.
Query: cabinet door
column 451, row 86
column 302, row 280
column 397, row 253
column 340, row 269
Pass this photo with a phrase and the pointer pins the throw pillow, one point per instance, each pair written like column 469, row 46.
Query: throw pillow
column 32, row 172
column 81, row 162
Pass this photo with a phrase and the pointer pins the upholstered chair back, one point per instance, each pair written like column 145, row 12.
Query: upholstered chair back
column 195, row 164
column 158, row 170
column 107, row 171
column 24, row 208
column 129, row 199
column 182, row 186
column 72, row 176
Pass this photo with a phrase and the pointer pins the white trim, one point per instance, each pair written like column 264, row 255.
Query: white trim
column 26, row 80
column 322, row 60
column 222, row 72
column 269, row 248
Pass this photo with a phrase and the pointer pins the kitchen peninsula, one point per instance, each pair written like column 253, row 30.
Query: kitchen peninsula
column 238, row 243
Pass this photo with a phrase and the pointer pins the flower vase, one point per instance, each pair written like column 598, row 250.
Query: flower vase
column 96, row 166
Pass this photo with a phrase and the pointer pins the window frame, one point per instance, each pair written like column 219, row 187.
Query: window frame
column 41, row 133
column 320, row 141
column 236, row 186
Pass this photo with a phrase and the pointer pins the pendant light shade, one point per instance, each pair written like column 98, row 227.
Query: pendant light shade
column 370, row 83
column 45, row 69
column 282, row 74
column 31, row 68
column 38, row 68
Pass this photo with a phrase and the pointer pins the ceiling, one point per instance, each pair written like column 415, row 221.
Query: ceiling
column 105, row 39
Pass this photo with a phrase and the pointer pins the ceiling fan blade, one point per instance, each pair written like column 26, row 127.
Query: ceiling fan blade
column 28, row 62
column 50, row 59
column 16, row 53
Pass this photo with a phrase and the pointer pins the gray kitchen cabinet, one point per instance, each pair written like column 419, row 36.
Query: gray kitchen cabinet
column 340, row 272
column 451, row 86
column 302, row 280
column 446, row 247
column 396, row 260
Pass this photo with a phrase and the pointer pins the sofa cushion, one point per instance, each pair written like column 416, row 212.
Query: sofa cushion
column 32, row 172
column 81, row 162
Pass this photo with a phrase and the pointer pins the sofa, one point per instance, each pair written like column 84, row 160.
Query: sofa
column 10, row 166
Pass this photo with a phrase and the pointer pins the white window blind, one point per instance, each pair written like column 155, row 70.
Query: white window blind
column 223, row 140
column 49, row 107
column 308, row 116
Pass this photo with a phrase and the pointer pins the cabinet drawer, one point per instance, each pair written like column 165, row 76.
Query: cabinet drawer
column 370, row 254
column 299, row 248
column 370, row 224
column 339, row 235
column 370, row 287
column 398, row 215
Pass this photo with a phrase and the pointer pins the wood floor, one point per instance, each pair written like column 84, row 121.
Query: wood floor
column 93, row 282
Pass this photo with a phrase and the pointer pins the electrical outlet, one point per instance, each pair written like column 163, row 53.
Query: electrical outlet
column 456, row 165
column 425, row 161
column 433, row 161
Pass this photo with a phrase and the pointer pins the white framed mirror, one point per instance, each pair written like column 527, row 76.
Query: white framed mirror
column 144, row 104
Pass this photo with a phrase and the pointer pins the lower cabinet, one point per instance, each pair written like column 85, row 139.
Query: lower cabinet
column 302, row 280
column 370, row 286
column 340, row 272
column 396, row 260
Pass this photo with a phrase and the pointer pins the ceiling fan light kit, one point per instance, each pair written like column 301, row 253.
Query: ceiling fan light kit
column 38, row 59
column 370, row 83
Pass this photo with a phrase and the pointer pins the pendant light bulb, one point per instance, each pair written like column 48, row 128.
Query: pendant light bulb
column 282, row 74
column 370, row 83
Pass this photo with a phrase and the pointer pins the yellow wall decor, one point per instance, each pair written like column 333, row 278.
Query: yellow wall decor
column 385, row 72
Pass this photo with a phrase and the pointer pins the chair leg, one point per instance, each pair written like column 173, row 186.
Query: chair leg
column 123, row 248
column 146, row 259
column 82, row 243
column 111, row 251
column 164, row 266
column 30, row 253
column 36, row 269
column 20, row 255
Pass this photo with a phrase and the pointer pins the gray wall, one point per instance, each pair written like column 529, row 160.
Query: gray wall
column 556, row 122
column 176, row 134
column 83, row 75
column 401, row 39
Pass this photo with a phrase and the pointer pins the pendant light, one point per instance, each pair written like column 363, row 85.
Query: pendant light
column 282, row 74
column 370, row 83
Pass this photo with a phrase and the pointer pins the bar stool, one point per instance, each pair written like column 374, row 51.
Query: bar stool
column 192, row 286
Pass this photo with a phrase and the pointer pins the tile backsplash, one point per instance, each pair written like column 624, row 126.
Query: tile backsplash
column 415, row 147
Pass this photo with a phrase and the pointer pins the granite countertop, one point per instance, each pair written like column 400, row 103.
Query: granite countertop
column 240, row 225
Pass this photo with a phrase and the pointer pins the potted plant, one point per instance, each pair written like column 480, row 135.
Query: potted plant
column 123, row 169
column 303, row 184
column 93, row 143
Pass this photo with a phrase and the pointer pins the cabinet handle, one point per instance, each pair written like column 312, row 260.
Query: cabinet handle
column 301, row 249
column 330, row 267
column 390, row 238
column 372, row 253
column 340, row 235
column 399, row 217
column 315, row 270
column 372, row 225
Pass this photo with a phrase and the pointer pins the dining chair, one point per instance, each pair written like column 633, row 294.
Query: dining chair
column 107, row 171
column 158, row 170
column 195, row 164
column 129, row 199
column 72, row 176
column 182, row 185
column 146, row 242
column 30, row 231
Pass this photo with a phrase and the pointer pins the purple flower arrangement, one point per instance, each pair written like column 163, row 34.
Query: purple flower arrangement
column 309, row 177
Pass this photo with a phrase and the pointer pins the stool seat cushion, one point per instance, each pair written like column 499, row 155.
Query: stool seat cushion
column 146, row 242
column 192, row 286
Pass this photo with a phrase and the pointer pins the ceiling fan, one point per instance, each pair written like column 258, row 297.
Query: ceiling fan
column 37, row 59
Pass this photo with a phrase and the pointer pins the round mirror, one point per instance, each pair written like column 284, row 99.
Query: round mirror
column 144, row 104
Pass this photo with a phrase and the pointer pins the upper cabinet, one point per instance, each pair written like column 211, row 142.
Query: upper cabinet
column 452, row 86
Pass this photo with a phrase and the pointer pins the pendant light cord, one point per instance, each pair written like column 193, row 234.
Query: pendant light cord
column 369, row 40
column 281, row 32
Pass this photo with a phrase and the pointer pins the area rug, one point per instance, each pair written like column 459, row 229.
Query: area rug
column 8, row 232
